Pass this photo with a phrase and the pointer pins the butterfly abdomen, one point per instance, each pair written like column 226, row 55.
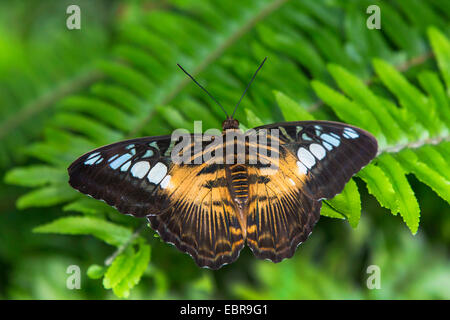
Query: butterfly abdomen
column 238, row 183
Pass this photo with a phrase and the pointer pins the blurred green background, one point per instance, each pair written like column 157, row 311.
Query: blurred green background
column 47, row 71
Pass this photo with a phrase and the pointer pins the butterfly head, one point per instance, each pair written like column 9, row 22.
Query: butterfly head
column 230, row 123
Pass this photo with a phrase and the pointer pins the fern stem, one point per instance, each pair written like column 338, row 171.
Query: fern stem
column 413, row 145
column 122, row 248
column 414, row 61
column 214, row 55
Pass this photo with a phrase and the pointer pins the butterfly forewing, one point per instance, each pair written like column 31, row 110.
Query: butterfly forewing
column 328, row 153
column 128, row 175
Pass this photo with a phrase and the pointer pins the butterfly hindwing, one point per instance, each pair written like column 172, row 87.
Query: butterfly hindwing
column 201, row 219
column 280, row 215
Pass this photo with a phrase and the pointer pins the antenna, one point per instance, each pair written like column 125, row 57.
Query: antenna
column 195, row 81
column 248, row 86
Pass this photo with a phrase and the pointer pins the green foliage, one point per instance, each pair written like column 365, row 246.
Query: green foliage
column 35, row 74
column 323, row 63
column 126, row 270
column 306, row 278
column 109, row 232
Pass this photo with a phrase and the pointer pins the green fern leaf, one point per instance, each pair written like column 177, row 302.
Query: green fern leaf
column 405, row 198
column 141, row 92
column 140, row 262
column 119, row 269
column 36, row 176
column 348, row 202
column 380, row 186
column 438, row 181
column 291, row 110
column 441, row 47
column 95, row 271
column 109, row 232
column 47, row 196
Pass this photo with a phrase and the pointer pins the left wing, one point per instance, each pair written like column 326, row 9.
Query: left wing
column 187, row 204
column 127, row 175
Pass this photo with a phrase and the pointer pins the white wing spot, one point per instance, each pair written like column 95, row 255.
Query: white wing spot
column 93, row 155
column 148, row 154
column 157, row 173
column 125, row 166
column 328, row 146
column 334, row 135
column 292, row 181
column 140, row 169
column 306, row 137
column 317, row 150
column 113, row 157
column 330, row 139
column 92, row 160
column 301, row 168
column 351, row 133
column 165, row 182
column 306, row 157
column 318, row 130
column 119, row 161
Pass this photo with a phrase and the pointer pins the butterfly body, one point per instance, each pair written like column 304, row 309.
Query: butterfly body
column 263, row 190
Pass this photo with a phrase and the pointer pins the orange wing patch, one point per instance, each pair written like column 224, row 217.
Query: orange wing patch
column 280, row 214
column 200, row 218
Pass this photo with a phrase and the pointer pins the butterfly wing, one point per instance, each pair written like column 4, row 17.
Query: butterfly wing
column 316, row 160
column 201, row 218
column 126, row 175
column 187, row 204
column 328, row 153
column 280, row 214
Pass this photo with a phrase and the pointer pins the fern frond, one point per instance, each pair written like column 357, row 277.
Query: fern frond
column 38, row 71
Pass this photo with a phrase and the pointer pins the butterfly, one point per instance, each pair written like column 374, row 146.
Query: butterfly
column 211, row 209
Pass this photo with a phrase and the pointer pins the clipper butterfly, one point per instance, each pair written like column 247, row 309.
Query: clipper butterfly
column 211, row 209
